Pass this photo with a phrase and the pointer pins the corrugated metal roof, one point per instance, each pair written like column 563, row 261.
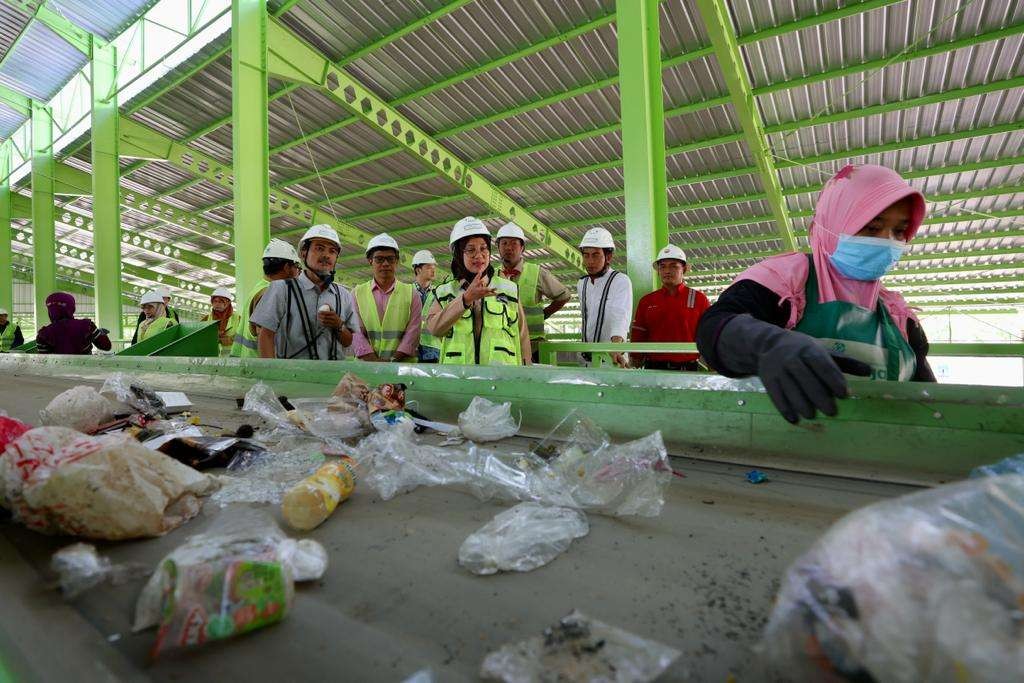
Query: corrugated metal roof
column 26, row 70
column 107, row 18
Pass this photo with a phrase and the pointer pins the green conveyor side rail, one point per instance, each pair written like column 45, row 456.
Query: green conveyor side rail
column 192, row 339
column 909, row 432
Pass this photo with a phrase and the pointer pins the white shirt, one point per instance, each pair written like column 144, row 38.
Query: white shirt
column 618, row 310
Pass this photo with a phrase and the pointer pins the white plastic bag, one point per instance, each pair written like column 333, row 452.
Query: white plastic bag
column 81, row 408
column 485, row 421
column 134, row 393
column 79, row 567
column 579, row 649
column 240, row 534
column 522, row 538
column 59, row 481
column 924, row 587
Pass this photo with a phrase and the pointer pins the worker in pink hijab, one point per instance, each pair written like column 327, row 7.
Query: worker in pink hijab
column 799, row 321
column 66, row 333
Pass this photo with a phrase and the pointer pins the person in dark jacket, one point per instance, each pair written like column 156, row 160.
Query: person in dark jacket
column 66, row 333
column 799, row 321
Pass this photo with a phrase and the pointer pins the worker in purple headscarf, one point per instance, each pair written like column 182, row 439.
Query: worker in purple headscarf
column 66, row 333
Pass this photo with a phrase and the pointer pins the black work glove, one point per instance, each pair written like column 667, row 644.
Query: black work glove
column 798, row 373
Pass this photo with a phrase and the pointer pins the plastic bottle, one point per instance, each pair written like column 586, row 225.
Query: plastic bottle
column 312, row 500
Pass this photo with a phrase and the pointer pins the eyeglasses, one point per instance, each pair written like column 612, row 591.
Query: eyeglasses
column 382, row 260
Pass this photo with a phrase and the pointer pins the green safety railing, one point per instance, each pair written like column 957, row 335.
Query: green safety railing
column 978, row 349
column 601, row 352
column 196, row 339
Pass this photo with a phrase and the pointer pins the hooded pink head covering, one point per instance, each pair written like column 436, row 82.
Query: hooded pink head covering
column 847, row 203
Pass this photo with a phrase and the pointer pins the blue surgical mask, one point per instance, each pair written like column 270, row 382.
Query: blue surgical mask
column 866, row 258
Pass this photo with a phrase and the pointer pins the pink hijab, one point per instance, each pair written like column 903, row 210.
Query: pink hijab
column 848, row 202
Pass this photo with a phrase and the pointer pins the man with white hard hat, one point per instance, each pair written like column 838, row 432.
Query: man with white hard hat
column 535, row 283
column 424, row 266
column 280, row 262
column 224, row 314
column 605, row 294
column 388, row 312
column 10, row 332
column 669, row 314
column 311, row 316
column 165, row 296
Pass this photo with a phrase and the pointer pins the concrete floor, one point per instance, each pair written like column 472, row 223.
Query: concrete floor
column 701, row 578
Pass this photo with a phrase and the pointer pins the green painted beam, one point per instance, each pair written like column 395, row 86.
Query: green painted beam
column 851, row 9
column 77, row 37
column 249, row 144
column 6, row 282
column 439, row 13
column 16, row 101
column 293, row 59
column 43, row 233
column 106, row 188
column 974, row 311
column 718, row 23
column 643, row 138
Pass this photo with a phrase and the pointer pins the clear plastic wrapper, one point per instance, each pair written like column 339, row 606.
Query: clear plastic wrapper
column 522, row 538
column 485, row 421
column 81, row 408
column 56, row 480
column 329, row 419
column 79, row 567
column 240, row 534
column 134, row 393
column 579, row 649
column 1011, row 465
column 265, row 477
column 261, row 400
column 626, row 479
column 926, row 587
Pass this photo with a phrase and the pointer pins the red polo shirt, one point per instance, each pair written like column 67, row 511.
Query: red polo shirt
column 669, row 315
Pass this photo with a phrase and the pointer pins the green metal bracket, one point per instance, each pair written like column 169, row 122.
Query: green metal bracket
column 292, row 58
column 192, row 339
column 718, row 23
column 78, row 38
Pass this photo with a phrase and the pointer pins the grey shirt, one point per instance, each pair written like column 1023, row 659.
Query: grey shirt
column 290, row 338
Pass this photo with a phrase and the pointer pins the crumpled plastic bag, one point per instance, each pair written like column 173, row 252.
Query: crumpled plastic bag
column 924, row 587
column 56, row 480
column 522, row 538
column 626, row 479
column 266, row 477
column 1011, row 465
column 579, row 649
column 486, row 421
column 239, row 534
column 80, row 407
column 10, row 430
column 135, row 394
column 329, row 419
column 79, row 568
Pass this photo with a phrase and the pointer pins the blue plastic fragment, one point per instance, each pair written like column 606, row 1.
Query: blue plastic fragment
column 756, row 476
column 1012, row 465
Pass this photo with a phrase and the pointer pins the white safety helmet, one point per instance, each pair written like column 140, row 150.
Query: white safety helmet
column 468, row 227
column 599, row 238
column 278, row 248
column 511, row 230
column 222, row 292
column 3, row 311
column 670, row 252
column 382, row 240
column 164, row 292
column 151, row 297
column 423, row 257
column 322, row 231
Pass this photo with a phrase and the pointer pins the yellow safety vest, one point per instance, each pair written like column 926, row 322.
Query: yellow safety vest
column 530, row 298
column 7, row 336
column 155, row 328
column 385, row 335
column 232, row 324
column 426, row 339
column 499, row 334
column 245, row 344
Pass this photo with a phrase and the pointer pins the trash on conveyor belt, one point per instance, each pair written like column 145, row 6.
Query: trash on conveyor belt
column 927, row 586
column 329, row 419
column 10, row 429
column 81, row 408
column 56, row 480
column 757, row 477
column 485, row 421
column 307, row 504
column 579, row 649
column 522, row 538
column 265, row 477
column 134, row 393
column 1011, row 465
column 626, row 479
column 80, row 567
column 207, row 452
column 239, row 535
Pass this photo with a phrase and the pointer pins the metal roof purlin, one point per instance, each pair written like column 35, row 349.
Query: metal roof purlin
column 16, row 101
column 292, row 58
column 78, row 38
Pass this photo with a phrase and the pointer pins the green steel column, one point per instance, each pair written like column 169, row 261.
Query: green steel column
column 643, row 139
column 106, row 188
column 6, row 274
column 44, row 250
column 249, row 139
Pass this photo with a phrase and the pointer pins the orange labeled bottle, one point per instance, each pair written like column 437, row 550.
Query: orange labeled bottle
column 312, row 500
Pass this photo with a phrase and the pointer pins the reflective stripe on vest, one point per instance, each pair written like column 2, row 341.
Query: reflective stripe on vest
column 245, row 344
column 7, row 336
column 385, row 335
column 499, row 332
column 529, row 297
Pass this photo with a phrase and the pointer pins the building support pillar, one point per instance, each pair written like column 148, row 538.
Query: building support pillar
column 106, row 189
column 44, row 248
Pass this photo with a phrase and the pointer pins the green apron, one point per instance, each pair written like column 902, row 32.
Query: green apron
column 868, row 336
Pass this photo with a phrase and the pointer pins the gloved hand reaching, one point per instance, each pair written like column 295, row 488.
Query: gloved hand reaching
column 798, row 373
